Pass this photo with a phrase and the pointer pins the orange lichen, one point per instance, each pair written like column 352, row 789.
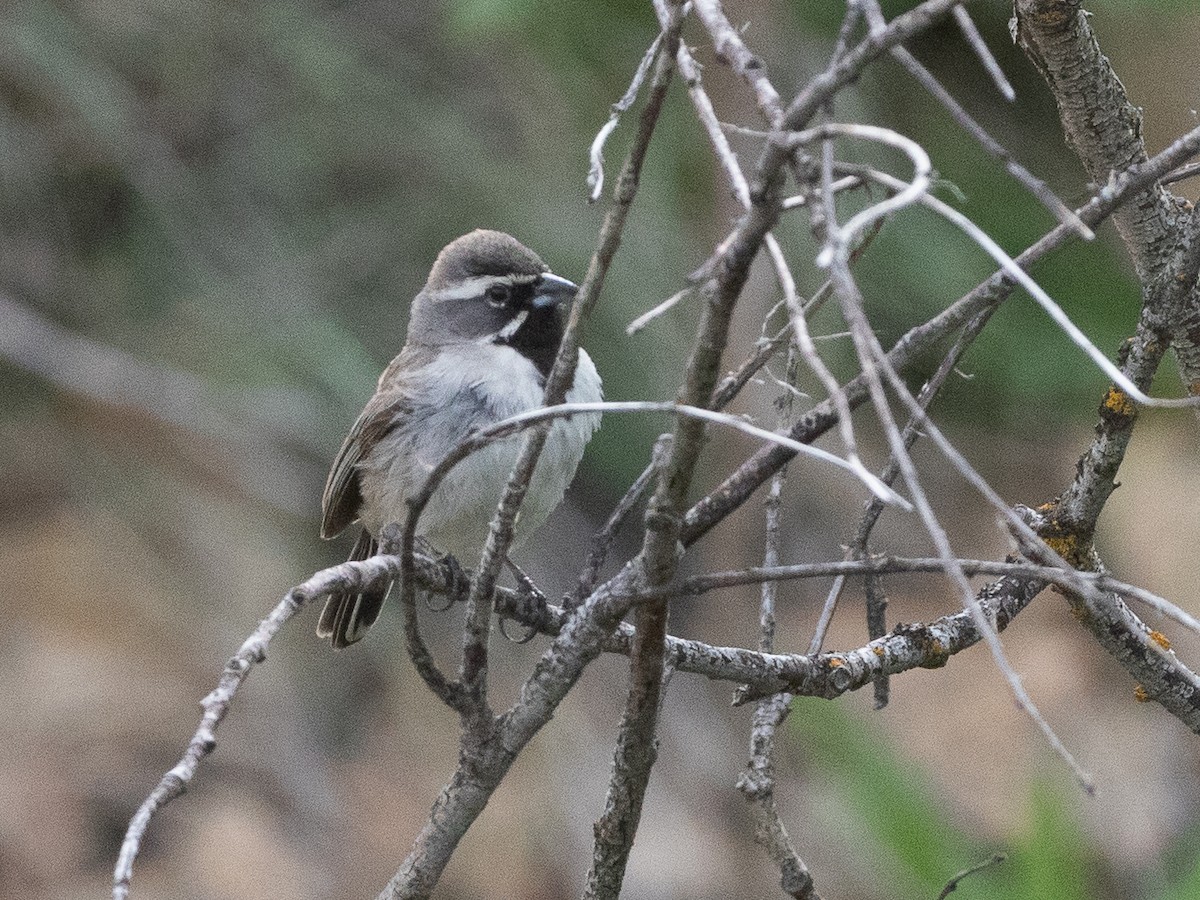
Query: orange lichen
column 878, row 651
column 1161, row 639
column 1118, row 402
column 835, row 662
column 1140, row 695
column 1065, row 545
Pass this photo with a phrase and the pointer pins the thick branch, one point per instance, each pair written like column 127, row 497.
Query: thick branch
column 1105, row 130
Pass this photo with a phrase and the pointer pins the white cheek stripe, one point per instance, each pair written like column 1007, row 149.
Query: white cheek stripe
column 511, row 328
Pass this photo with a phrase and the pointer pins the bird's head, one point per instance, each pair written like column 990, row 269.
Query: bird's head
column 488, row 287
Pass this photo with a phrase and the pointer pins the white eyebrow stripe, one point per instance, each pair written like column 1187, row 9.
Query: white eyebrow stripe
column 472, row 287
column 477, row 286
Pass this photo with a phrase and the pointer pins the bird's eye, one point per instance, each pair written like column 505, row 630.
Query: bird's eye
column 498, row 295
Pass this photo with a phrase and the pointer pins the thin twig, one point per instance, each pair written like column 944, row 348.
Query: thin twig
column 595, row 178
column 1036, row 186
column 1011, row 268
column 952, row 884
column 976, row 42
column 874, row 361
column 489, row 747
column 757, row 780
column 738, row 486
column 347, row 577
column 522, row 420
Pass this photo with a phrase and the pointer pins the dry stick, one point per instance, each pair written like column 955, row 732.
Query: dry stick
column 873, row 360
column 835, row 238
column 976, row 42
column 876, row 602
column 906, row 647
column 655, row 566
column 522, row 421
column 1118, row 630
column 731, row 49
column 1125, row 636
column 757, row 781
column 1036, row 186
column 603, row 539
column 741, row 189
column 738, row 487
column 1166, row 680
column 595, row 178
column 354, row 576
column 1104, row 129
column 703, row 273
column 724, row 394
column 1188, row 171
column 486, row 759
column 900, row 29
column 869, row 349
column 1079, row 507
column 1011, row 268
column 830, row 674
column 1100, row 123
column 952, row 884
column 1061, row 575
column 1020, row 581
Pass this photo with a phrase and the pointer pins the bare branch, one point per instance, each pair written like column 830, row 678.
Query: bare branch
column 757, row 781
column 925, row 78
column 490, row 745
column 595, row 178
column 1104, row 129
column 737, row 488
column 350, row 576
column 976, row 42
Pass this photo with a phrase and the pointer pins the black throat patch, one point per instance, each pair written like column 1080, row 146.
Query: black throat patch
column 537, row 339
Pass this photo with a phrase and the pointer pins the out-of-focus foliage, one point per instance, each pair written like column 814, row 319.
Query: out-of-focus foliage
column 897, row 810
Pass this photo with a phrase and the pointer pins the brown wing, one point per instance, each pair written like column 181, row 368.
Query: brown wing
column 385, row 411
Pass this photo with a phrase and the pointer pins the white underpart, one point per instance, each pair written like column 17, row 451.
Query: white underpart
column 468, row 387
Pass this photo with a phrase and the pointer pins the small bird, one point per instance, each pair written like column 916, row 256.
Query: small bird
column 482, row 336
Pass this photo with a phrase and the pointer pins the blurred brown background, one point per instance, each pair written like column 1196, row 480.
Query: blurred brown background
column 212, row 216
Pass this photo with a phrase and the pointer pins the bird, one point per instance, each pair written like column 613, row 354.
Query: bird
column 482, row 337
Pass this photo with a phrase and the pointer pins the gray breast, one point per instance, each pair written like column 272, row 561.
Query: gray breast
column 451, row 405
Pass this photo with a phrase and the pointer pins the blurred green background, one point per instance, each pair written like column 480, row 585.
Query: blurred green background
column 212, row 216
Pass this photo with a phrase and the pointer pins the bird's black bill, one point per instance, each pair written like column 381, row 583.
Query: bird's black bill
column 550, row 290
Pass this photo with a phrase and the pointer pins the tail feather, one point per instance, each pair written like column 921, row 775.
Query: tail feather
column 347, row 616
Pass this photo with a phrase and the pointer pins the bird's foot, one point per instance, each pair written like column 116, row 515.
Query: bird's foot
column 456, row 579
column 533, row 604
